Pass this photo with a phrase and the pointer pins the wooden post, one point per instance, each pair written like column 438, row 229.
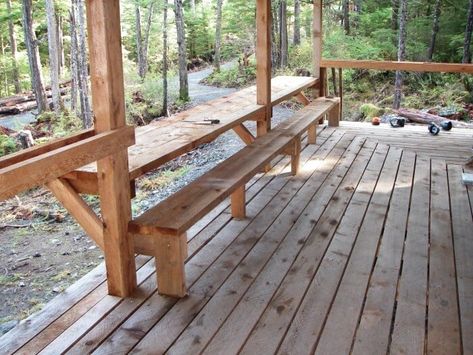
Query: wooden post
column 334, row 116
column 171, row 253
column 239, row 203
column 296, row 155
column 312, row 134
column 106, row 72
column 263, row 63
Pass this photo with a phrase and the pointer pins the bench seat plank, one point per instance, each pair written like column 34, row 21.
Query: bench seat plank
column 179, row 212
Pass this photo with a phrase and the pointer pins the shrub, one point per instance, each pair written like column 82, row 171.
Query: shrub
column 7, row 145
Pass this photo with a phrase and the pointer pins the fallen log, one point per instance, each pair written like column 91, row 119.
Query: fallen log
column 9, row 110
column 426, row 118
column 29, row 96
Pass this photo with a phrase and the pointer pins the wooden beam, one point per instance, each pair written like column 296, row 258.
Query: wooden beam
column 44, row 148
column 244, row 134
column 263, row 63
column 403, row 66
column 50, row 165
column 106, row 72
column 76, row 206
column 302, row 99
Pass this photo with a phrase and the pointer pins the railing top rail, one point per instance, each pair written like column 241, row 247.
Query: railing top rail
column 404, row 66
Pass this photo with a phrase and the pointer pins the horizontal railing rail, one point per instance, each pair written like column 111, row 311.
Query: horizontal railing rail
column 403, row 66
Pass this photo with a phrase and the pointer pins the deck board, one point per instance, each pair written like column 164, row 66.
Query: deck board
column 367, row 250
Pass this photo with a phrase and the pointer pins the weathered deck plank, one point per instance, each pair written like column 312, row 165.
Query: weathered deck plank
column 443, row 335
column 334, row 260
column 342, row 320
column 372, row 335
column 408, row 335
column 462, row 224
column 256, row 273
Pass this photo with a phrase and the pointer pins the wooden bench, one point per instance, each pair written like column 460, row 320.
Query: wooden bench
column 166, row 224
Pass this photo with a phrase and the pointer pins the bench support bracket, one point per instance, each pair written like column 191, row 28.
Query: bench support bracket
column 302, row 99
column 244, row 134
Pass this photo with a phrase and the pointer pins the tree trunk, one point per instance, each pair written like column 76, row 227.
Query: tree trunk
column 218, row 34
column 33, row 57
column 401, row 54
column 358, row 6
column 86, row 112
column 60, row 43
column 13, row 49
column 275, row 35
column 435, row 30
column 192, row 6
column 3, row 69
column 145, row 45
column 297, row 22
column 283, row 40
column 53, row 55
column 395, row 14
column 181, row 43
column 74, row 64
column 468, row 32
column 165, row 58
column 139, row 41
column 346, row 16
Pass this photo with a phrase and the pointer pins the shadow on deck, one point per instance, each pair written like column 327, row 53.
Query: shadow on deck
column 368, row 250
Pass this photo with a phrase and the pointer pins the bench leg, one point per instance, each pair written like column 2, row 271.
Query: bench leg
column 312, row 134
column 296, row 156
column 334, row 117
column 239, row 203
column 171, row 253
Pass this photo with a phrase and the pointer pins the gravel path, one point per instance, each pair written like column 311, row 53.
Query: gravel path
column 207, row 156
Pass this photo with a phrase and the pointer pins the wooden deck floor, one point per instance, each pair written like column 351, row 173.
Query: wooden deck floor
column 367, row 251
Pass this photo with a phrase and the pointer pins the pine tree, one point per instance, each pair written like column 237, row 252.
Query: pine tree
column 181, row 43
column 401, row 54
column 468, row 32
column 218, row 34
column 53, row 55
column 33, row 57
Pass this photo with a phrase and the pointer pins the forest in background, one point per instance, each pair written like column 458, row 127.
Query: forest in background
column 43, row 49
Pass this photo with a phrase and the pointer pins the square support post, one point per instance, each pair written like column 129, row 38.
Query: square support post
column 334, row 116
column 296, row 156
column 106, row 72
column 171, row 254
column 263, row 63
column 312, row 134
column 238, row 206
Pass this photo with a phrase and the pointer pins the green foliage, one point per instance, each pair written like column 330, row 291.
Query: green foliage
column 62, row 124
column 7, row 145
column 369, row 111
column 144, row 100
column 234, row 77
column 200, row 38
